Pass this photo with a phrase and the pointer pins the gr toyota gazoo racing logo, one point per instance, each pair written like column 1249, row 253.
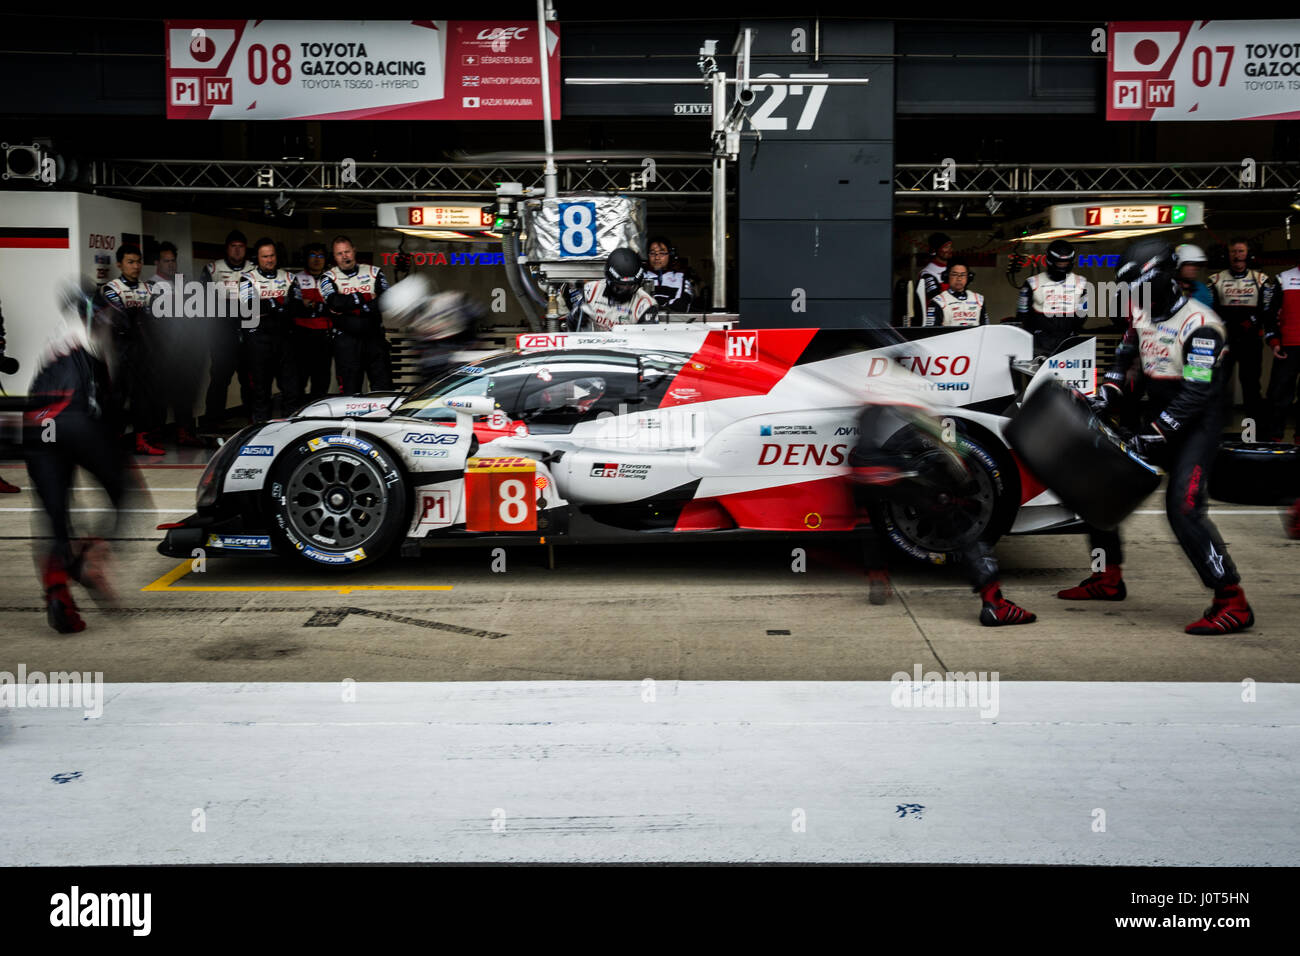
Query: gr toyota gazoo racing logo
column 431, row 438
column 615, row 470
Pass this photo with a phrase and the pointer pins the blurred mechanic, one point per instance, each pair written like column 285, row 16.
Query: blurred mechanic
column 957, row 305
column 933, row 278
column 1054, row 303
column 139, row 349
column 225, row 331
column 925, row 473
column 269, row 358
column 1175, row 355
column 180, row 358
column 1191, row 263
column 1283, row 337
column 351, row 292
column 673, row 288
column 311, row 340
column 1243, row 298
column 72, row 423
column 617, row 299
column 6, row 488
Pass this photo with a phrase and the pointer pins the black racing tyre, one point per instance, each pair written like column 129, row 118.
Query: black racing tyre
column 1256, row 473
column 984, row 509
column 337, row 500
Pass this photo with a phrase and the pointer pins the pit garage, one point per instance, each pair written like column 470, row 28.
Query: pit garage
column 675, row 656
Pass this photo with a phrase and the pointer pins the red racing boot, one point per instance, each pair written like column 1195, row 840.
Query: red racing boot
column 186, row 437
column 1228, row 614
column 60, row 610
column 1291, row 520
column 144, row 447
column 1106, row 585
column 7, row 489
column 998, row 611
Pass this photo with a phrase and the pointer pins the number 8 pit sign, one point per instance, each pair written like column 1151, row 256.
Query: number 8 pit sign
column 1203, row 70
column 362, row 69
column 500, row 494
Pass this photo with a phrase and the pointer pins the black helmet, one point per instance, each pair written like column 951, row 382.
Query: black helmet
column 1059, row 259
column 623, row 274
column 1150, row 262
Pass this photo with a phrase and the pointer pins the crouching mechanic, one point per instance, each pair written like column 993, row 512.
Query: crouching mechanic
column 617, row 299
column 1173, row 351
column 920, row 471
column 957, row 305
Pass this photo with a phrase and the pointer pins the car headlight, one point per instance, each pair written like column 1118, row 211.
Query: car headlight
column 214, row 476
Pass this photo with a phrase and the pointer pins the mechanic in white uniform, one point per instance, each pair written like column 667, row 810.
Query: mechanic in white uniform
column 957, row 305
column 934, row 274
column 617, row 299
column 1053, row 304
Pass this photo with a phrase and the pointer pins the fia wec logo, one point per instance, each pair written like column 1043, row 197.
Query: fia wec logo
column 448, row 438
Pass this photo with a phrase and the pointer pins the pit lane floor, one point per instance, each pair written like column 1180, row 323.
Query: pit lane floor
column 524, row 729
column 665, row 611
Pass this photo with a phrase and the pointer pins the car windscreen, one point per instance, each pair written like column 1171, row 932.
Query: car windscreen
column 498, row 378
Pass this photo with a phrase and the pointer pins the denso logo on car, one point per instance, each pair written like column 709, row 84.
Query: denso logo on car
column 930, row 365
column 431, row 438
column 254, row 450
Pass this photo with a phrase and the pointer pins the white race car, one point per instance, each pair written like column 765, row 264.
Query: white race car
column 673, row 431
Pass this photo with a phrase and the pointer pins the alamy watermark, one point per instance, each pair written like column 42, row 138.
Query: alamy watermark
column 56, row 689
column 191, row 299
column 947, row 690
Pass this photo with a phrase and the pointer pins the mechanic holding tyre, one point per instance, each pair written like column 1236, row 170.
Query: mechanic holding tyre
column 351, row 291
column 1173, row 351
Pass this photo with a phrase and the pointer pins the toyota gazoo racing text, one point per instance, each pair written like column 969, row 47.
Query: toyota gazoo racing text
column 676, row 431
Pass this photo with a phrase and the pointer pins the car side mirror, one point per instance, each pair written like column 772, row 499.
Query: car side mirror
column 472, row 406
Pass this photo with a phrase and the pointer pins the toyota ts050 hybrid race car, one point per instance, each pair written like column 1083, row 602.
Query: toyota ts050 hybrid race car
column 672, row 431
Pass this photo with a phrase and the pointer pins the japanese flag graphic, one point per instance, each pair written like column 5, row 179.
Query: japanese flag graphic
column 199, row 48
column 1143, row 51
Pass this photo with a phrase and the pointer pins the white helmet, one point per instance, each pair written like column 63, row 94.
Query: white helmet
column 406, row 300
column 1189, row 254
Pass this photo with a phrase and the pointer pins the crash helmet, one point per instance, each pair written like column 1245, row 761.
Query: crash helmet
column 623, row 274
column 1059, row 259
column 1188, row 254
column 1149, row 271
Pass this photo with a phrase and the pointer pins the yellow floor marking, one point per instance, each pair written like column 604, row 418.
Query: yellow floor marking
column 165, row 583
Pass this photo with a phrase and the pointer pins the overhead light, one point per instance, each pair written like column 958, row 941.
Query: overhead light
column 23, row 162
column 1295, row 202
column 1103, row 234
column 284, row 205
column 1050, row 234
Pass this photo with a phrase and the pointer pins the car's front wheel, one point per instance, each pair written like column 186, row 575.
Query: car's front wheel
column 983, row 507
column 337, row 499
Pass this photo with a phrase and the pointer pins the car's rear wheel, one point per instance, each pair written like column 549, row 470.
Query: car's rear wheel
column 982, row 509
column 338, row 500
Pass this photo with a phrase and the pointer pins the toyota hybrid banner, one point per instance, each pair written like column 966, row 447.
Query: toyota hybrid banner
column 358, row 69
column 1203, row 70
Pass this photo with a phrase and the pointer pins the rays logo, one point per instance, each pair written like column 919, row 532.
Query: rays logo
column 431, row 438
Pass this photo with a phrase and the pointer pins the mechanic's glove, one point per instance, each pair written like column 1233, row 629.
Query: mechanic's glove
column 344, row 303
column 1150, row 445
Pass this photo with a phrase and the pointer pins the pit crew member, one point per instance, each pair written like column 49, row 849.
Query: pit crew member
column 673, row 289
column 1191, row 266
column 73, row 403
column 1243, row 297
column 1175, row 355
column 351, row 291
column 225, row 331
column 1283, row 337
column 311, row 340
column 268, row 355
column 138, row 348
column 6, row 488
column 182, row 358
column 1054, row 303
column 957, row 305
column 933, row 278
column 617, row 299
